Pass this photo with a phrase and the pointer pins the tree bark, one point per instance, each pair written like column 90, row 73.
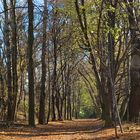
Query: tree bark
column 43, row 78
column 31, row 117
column 134, row 101
column 8, row 53
column 14, row 59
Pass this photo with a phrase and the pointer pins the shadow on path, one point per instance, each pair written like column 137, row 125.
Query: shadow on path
column 54, row 128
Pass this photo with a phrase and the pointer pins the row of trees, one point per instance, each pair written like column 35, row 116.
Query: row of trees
column 113, row 46
column 62, row 45
column 39, row 61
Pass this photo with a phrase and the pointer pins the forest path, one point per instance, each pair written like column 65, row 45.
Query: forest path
column 86, row 129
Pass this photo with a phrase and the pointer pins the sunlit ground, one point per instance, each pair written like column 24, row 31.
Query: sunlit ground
column 87, row 129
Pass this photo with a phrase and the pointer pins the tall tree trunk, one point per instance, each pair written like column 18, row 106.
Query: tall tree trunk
column 43, row 77
column 49, row 84
column 31, row 119
column 14, row 59
column 8, row 53
column 54, row 81
column 111, row 67
column 2, row 91
column 111, row 59
column 134, row 101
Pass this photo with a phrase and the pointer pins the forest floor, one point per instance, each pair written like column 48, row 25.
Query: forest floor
column 87, row 129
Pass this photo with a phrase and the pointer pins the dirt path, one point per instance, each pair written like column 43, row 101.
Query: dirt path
column 66, row 130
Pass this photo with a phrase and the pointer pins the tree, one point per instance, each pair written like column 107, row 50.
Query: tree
column 43, row 61
column 102, row 52
column 8, row 55
column 31, row 112
column 134, row 101
column 14, row 60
